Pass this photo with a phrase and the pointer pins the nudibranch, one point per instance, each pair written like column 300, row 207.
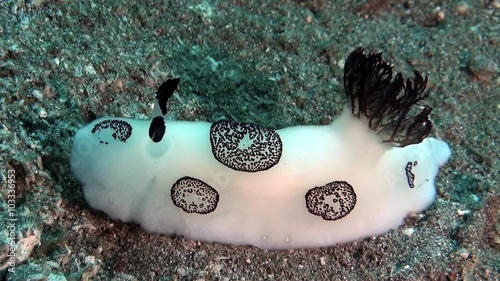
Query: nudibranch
column 244, row 184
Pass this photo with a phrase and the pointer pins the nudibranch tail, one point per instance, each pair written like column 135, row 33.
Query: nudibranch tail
column 384, row 102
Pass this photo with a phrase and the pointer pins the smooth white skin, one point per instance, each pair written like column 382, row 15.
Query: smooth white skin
column 131, row 182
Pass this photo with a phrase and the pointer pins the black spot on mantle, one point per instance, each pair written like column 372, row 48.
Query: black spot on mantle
column 410, row 177
column 194, row 196
column 122, row 130
column 245, row 147
column 332, row 201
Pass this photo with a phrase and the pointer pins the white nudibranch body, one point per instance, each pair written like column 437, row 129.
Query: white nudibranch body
column 242, row 184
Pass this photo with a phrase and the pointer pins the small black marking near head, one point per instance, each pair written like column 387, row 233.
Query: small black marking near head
column 165, row 91
column 122, row 130
column 388, row 105
column 410, row 177
column 245, row 147
column 157, row 129
column 332, row 201
column 194, row 196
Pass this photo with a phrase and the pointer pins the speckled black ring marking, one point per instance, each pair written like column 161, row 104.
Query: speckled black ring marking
column 332, row 201
column 122, row 130
column 194, row 196
column 245, row 147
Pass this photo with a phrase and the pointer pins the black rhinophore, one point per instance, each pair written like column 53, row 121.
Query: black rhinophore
column 386, row 104
column 165, row 91
column 157, row 127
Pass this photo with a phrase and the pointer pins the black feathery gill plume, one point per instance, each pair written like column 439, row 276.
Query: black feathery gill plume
column 386, row 103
